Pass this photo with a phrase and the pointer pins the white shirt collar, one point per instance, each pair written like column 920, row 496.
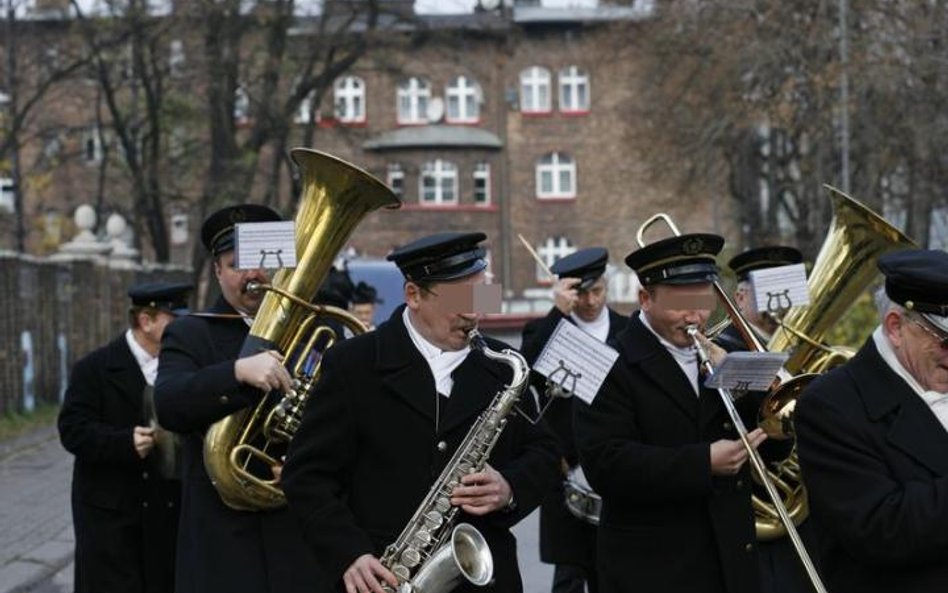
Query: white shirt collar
column 687, row 358
column 441, row 362
column 146, row 362
column 598, row 327
column 938, row 402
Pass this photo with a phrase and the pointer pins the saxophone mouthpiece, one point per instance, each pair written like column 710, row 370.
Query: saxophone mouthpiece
column 476, row 339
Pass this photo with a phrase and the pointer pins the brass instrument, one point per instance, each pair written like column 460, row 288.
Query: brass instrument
column 239, row 449
column 431, row 555
column 760, row 469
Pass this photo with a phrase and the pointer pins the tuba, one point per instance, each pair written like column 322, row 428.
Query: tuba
column 844, row 267
column 239, row 450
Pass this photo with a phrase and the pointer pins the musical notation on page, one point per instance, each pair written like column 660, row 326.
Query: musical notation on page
column 576, row 359
column 778, row 289
column 265, row 244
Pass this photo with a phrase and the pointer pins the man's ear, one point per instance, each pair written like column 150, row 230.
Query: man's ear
column 892, row 326
column 412, row 295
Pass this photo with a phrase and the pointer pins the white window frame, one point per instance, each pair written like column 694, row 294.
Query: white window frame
column 176, row 57
column 535, row 90
column 349, row 100
column 241, row 105
column 572, row 80
column 482, row 175
column 412, row 99
column 7, row 195
column 552, row 250
column 444, row 175
column 95, row 136
column 463, row 100
column 395, row 179
column 555, row 164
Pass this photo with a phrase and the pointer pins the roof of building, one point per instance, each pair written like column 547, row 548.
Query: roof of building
column 436, row 136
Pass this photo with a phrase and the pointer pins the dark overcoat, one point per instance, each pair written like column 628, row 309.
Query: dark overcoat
column 667, row 524
column 781, row 570
column 370, row 448
column 221, row 549
column 875, row 461
column 564, row 539
column 125, row 516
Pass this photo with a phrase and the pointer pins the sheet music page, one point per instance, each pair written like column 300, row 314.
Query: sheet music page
column 747, row 371
column 265, row 244
column 576, row 360
column 780, row 288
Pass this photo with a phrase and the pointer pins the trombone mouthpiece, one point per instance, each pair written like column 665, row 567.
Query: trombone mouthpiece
column 692, row 330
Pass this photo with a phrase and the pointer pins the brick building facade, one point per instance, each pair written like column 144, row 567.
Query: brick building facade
column 514, row 122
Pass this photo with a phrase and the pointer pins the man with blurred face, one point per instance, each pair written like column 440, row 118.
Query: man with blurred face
column 659, row 447
column 124, row 510
column 363, row 304
column 764, row 324
column 872, row 437
column 579, row 297
column 202, row 379
column 387, row 415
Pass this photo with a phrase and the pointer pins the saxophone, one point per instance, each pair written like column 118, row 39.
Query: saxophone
column 431, row 555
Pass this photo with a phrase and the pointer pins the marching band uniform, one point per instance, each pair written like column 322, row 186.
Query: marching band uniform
column 668, row 523
column 219, row 548
column 388, row 413
column 125, row 513
column 873, row 435
column 781, row 570
column 565, row 540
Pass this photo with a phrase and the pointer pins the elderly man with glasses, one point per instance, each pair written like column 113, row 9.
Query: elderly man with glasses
column 873, row 441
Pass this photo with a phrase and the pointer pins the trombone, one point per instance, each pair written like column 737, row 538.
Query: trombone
column 727, row 399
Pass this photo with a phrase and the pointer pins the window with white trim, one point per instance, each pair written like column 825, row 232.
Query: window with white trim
column 482, row 184
column 552, row 250
column 413, row 96
column 395, row 178
column 92, row 145
column 535, row 90
column 241, row 105
column 176, row 57
column 7, row 195
column 556, row 176
column 463, row 97
column 574, row 90
column 349, row 99
column 438, row 183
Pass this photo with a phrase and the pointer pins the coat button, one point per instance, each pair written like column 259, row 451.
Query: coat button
column 728, row 426
column 170, row 505
column 740, row 484
column 145, row 504
column 749, row 548
column 144, row 475
column 442, row 445
column 224, row 399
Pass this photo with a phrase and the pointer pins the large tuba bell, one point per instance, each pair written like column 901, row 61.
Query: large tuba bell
column 241, row 449
column 844, row 267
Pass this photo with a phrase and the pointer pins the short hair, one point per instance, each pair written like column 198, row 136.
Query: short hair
column 135, row 310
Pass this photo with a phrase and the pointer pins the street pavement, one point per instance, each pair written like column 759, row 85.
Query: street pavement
column 36, row 540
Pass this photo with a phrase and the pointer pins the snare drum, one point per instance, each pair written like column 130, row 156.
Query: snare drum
column 581, row 500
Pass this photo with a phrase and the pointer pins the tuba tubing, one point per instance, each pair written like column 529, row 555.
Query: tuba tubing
column 335, row 197
column 759, row 468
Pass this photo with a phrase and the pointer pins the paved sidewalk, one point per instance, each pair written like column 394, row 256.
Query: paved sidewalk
column 35, row 519
column 36, row 540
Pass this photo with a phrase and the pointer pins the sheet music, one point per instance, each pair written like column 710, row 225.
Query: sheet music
column 747, row 371
column 265, row 244
column 777, row 289
column 576, row 360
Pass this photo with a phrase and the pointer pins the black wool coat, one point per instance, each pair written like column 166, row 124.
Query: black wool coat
column 564, row 539
column 221, row 549
column 667, row 524
column 369, row 450
column 125, row 516
column 875, row 460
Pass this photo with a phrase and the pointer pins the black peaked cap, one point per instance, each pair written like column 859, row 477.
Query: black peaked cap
column 917, row 279
column 685, row 259
column 586, row 264
column 217, row 232
column 441, row 257
column 166, row 296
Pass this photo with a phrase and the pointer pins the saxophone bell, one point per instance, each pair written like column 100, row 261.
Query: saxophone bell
column 465, row 556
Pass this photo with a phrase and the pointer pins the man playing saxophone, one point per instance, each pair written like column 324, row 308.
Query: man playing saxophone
column 200, row 381
column 387, row 415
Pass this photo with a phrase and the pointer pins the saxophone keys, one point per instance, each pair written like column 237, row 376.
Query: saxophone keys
column 433, row 520
column 410, row 557
column 443, row 504
column 401, row 572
